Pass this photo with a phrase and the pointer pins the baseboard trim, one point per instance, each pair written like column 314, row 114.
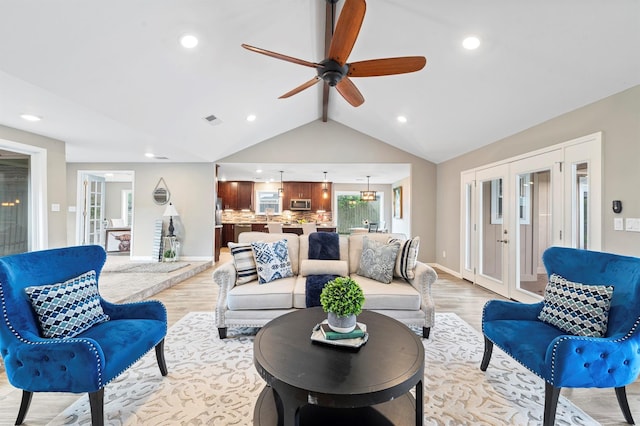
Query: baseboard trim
column 447, row 270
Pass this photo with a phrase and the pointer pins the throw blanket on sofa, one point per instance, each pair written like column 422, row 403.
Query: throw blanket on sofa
column 324, row 246
column 314, row 286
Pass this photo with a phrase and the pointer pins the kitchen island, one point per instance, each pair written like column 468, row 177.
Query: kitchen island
column 230, row 230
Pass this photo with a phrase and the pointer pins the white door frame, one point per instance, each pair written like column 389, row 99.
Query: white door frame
column 586, row 149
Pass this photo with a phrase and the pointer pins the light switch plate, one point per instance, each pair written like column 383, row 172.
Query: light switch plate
column 632, row 224
column 618, row 224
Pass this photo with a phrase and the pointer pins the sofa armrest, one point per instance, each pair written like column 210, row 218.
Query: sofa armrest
column 225, row 277
column 508, row 310
column 425, row 276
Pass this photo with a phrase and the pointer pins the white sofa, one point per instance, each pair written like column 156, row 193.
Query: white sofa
column 253, row 304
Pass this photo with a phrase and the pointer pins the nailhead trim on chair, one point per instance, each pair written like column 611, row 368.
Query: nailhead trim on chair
column 586, row 339
column 115, row 376
column 92, row 347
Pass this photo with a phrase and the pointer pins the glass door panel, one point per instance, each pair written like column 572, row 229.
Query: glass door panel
column 493, row 213
column 538, row 202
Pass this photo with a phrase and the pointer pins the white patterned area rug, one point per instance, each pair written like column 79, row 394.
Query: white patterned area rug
column 213, row 381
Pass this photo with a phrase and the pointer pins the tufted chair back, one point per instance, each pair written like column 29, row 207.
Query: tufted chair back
column 30, row 269
column 598, row 268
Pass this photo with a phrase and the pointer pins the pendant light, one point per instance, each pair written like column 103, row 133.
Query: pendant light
column 281, row 189
column 325, row 190
column 367, row 195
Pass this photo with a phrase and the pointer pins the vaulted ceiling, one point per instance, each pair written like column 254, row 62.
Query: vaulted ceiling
column 112, row 81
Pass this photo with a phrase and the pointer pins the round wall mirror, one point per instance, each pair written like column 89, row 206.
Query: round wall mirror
column 161, row 196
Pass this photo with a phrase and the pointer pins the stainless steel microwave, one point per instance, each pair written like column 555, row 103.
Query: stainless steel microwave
column 300, row 204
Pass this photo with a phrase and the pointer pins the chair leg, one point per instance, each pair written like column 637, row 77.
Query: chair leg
column 621, row 394
column 24, row 406
column 96, row 402
column 222, row 332
column 488, row 350
column 425, row 332
column 160, row 357
column 551, row 395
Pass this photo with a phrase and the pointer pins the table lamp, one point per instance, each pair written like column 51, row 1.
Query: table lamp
column 171, row 211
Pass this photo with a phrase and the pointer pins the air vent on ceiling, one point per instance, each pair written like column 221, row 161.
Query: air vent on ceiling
column 213, row 120
column 160, row 158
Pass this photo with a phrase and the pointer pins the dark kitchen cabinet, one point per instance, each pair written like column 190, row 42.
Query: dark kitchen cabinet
column 227, row 233
column 318, row 201
column 236, row 195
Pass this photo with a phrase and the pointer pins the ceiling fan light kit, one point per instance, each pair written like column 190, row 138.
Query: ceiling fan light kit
column 334, row 70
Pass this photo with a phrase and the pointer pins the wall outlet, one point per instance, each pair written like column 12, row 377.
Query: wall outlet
column 618, row 224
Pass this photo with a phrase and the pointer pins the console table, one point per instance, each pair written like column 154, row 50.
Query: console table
column 310, row 383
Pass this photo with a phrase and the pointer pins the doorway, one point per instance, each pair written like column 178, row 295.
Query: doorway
column 105, row 216
column 512, row 211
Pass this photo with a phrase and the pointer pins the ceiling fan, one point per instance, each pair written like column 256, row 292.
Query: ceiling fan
column 334, row 70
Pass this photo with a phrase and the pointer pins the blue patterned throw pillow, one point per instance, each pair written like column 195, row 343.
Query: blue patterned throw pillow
column 69, row 308
column 272, row 260
column 578, row 309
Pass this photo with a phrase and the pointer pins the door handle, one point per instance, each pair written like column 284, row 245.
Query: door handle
column 503, row 241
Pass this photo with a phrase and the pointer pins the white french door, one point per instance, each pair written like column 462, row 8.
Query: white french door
column 91, row 218
column 512, row 211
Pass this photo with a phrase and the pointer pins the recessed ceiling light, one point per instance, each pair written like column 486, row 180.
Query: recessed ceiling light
column 149, row 155
column 30, row 117
column 258, row 170
column 402, row 119
column 251, row 117
column 188, row 41
column 471, row 43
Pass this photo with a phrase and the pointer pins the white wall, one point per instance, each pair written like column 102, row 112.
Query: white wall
column 617, row 116
column 192, row 192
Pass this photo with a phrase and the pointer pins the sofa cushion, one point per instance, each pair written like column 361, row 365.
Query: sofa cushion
column 244, row 262
column 69, row 308
column 378, row 260
column 317, row 267
column 293, row 244
column 397, row 295
column 578, row 309
column 275, row 295
column 272, row 260
column 407, row 257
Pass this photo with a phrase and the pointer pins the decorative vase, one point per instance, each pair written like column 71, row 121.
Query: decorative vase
column 341, row 324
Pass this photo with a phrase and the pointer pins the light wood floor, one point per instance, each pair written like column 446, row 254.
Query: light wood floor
column 199, row 293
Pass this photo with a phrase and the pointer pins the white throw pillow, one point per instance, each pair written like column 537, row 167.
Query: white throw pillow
column 272, row 260
column 244, row 262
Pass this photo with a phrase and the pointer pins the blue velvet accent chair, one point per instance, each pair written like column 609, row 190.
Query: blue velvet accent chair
column 83, row 363
column 564, row 360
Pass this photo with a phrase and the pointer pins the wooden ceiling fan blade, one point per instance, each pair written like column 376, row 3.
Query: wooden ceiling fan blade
column 300, row 88
column 386, row 66
column 347, row 29
column 350, row 92
column 281, row 56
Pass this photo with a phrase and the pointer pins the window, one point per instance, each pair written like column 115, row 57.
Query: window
column 353, row 213
column 268, row 202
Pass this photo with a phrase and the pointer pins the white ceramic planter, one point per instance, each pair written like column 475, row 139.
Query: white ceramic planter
column 341, row 324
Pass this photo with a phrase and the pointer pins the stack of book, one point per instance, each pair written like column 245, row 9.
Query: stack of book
column 329, row 334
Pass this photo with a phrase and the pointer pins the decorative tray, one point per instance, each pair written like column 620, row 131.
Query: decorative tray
column 318, row 336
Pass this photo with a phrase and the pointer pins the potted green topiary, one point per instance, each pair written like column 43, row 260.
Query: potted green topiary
column 342, row 299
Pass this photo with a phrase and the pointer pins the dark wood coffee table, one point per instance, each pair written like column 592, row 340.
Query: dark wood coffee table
column 310, row 383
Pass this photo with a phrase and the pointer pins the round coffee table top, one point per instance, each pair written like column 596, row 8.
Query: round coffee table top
column 389, row 365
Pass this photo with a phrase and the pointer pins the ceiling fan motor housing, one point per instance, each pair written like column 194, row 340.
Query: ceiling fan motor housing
column 332, row 72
